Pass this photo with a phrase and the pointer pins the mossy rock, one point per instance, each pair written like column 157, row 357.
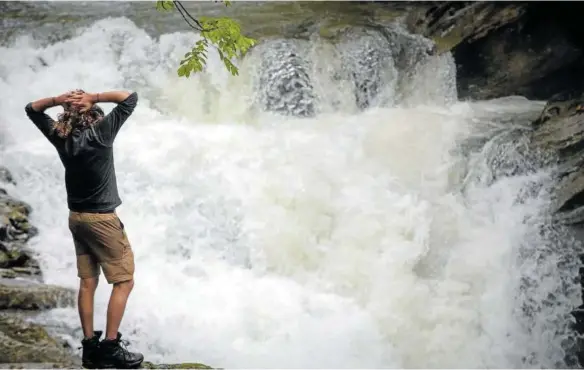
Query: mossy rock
column 26, row 342
column 7, row 273
column 33, row 296
column 14, row 223
column 35, row 365
column 185, row 365
column 15, row 254
column 9, row 204
column 24, row 332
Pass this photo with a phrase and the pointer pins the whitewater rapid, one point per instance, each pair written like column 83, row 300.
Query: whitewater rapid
column 351, row 239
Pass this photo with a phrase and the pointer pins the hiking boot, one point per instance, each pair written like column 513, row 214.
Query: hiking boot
column 90, row 355
column 115, row 355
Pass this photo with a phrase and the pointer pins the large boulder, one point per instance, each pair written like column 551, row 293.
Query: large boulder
column 22, row 342
column 27, row 295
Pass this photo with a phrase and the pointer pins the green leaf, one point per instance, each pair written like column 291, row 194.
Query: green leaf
column 164, row 5
column 223, row 33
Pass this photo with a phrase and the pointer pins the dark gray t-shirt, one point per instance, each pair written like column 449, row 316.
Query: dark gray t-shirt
column 88, row 158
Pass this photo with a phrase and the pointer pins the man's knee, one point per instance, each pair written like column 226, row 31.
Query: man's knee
column 126, row 285
column 88, row 284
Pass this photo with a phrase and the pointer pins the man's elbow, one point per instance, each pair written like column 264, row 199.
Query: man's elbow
column 29, row 110
column 132, row 99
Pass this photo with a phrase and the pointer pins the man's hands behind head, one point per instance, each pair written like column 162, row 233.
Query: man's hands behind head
column 80, row 100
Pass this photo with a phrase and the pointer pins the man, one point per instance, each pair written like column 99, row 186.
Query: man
column 84, row 138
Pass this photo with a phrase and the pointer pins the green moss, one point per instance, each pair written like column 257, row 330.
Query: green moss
column 34, row 297
column 24, row 342
column 24, row 332
column 186, row 365
column 447, row 42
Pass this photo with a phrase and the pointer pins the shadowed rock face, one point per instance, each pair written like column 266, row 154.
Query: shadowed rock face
column 530, row 49
column 450, row 23
column 559, row 133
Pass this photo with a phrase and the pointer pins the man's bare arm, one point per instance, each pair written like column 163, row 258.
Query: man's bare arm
column 45, row 103
column 109, row 96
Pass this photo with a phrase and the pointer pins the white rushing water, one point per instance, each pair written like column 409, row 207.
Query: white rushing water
column 344, row 240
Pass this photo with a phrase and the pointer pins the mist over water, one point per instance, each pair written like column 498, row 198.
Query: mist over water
column 324, row 209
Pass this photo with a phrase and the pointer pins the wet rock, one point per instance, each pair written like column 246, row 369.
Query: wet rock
column 283, row 81
column 25, row 342
column 7, row 273
column 450, row 23
column 9, row 203
column 508, row 48
column 368, row 63
column 14, row 255
column 14, row 224
column 6, row 176
column 16, row 259
column 187, row 365
column 25, row 295
column 32, row 273
column 29, row 271
column 559, row 136
column 35, row 365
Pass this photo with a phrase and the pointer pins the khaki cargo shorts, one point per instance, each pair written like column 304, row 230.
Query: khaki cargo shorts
column 101, row 241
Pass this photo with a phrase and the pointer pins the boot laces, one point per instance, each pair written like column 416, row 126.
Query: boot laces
column 124, row 344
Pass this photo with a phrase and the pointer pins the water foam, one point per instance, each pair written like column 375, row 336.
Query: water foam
column 344, row 240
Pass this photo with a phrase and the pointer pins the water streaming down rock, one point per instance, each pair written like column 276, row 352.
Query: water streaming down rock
column 387, row 237
column 376, row 66
column 283, row 82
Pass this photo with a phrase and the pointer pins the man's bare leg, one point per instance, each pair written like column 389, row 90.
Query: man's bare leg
column 116, row 307
column 87, row 287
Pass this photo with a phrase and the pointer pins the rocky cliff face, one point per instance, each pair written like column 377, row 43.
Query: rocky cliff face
column 508, row 48
column 531, row 49
column 24, row 343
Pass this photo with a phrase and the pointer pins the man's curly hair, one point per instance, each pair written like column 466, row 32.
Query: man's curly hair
column 71, row 119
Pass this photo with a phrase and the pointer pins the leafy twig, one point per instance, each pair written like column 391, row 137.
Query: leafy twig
column 224, row 33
